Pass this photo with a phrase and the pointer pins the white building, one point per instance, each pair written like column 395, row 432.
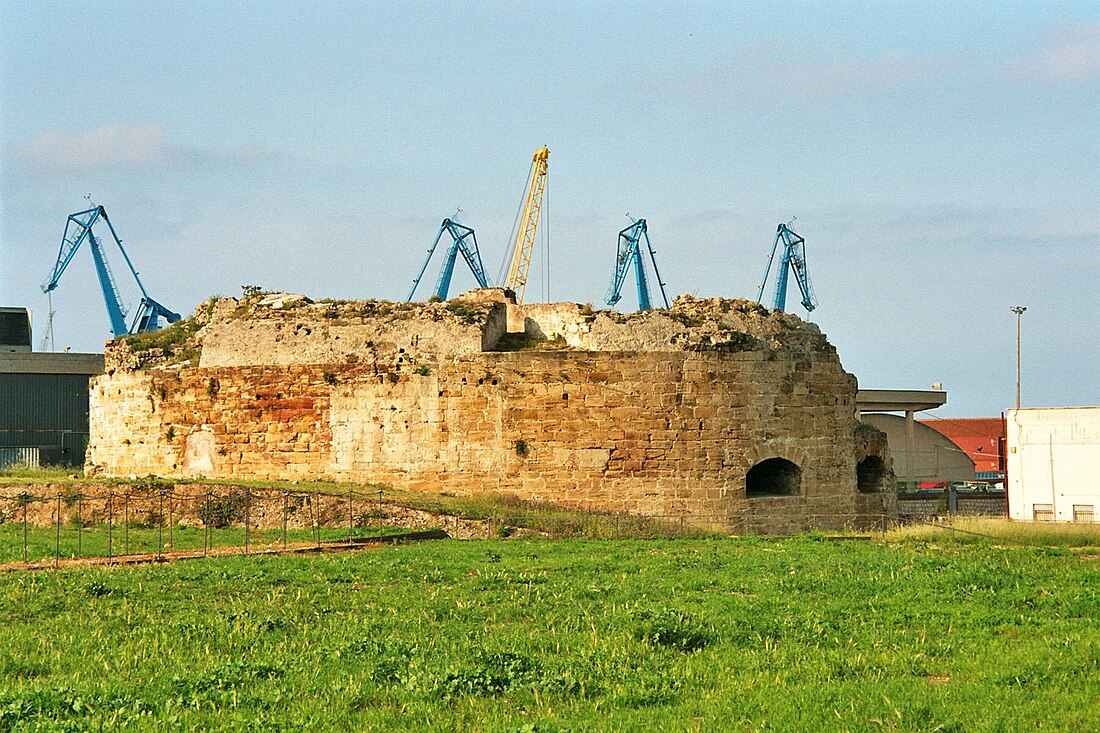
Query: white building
column 1054, row 463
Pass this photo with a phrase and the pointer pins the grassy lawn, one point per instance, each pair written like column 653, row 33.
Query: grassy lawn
column 923, row 633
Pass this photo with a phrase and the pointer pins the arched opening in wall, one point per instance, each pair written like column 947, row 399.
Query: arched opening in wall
column 870, row 475
column 773, row 477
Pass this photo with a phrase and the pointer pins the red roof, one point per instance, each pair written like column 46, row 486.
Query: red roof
column 981, row 438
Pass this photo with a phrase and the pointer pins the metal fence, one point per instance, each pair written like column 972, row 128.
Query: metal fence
column 165, row 522
column 155, row 522
column 12, row 457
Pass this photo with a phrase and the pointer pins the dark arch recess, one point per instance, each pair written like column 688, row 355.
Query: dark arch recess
column 870, row 474
column 773, row 477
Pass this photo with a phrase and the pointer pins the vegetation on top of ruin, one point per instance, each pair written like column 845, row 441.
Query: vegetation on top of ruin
column 271, row 305
column 692, row 324
column 173, row 344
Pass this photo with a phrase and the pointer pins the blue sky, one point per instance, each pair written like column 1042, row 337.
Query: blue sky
column 942, row 160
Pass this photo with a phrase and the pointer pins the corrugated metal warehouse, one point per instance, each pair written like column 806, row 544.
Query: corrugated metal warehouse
column 43, row 399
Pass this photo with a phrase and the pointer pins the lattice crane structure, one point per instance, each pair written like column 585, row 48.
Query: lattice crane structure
column 528, row 224
column 794, row 258
column 630, row 254
column 78, row 229
column 464, row 241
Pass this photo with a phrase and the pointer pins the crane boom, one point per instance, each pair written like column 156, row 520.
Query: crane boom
column 528, row 224
column 793, row 258
column 629, row 253
column 78, row 229
column 463, row 240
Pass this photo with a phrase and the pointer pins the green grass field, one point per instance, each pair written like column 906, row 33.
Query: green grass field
column 922, row 633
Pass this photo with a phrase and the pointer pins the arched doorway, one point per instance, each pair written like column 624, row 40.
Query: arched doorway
column 773, row 477
column 870, row 474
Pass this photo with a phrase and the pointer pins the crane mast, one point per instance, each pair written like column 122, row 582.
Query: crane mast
column 630, row 254
column 528, row 224
column 793, row 258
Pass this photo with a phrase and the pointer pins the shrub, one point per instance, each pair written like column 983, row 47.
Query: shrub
column 151, row 483
column 224, row 511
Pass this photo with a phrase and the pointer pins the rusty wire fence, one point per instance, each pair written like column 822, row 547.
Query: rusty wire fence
column 168, row 523
column 162, row 523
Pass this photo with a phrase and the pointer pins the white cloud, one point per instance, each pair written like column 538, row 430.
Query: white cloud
column 1072, row 56
column 133, row 145
column 108, row 145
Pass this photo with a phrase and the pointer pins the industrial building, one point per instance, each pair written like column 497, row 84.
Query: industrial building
column 15, row 330
column 982, row 439
column 43, row 397
column 1053, row 455
column 920, row 454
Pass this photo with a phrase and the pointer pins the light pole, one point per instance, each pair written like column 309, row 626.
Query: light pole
column 1019, row 311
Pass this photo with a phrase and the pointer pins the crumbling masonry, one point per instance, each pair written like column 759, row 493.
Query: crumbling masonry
column 715, row 408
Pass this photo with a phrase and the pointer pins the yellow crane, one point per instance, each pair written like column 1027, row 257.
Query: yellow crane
column 528, row 223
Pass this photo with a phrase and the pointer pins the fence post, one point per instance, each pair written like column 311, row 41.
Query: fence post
column 380, row 510
column 126, row 523
column 110, row 524
column 26, row 500
column 206, row 523
column 247, row 517
column 79, row 522
column 171, row 521
column 57, row 535
column 160, row 524
column 616, row 526
column 286, row 501
column 681, row 525
column 350, row 514
column 314, row 512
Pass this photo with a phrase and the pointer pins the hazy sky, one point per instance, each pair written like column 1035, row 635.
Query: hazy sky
column 942, row 160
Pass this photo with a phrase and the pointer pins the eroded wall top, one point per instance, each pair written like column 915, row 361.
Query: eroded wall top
column 282, row 329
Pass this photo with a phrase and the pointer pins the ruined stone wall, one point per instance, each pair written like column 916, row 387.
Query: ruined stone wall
column 664, row 433
column 671, row 428
column 323, row 333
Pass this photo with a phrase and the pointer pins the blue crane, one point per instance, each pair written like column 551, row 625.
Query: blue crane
column 78, row 229
column 794, row 258
column 629, row 253
column 462, row 240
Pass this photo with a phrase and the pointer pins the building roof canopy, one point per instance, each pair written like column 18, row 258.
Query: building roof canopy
column 899, row 400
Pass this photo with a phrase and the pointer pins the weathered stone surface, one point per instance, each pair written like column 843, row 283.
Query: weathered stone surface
column 664, row 412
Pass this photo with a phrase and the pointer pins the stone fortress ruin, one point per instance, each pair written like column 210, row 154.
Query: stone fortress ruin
column 716, row 409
